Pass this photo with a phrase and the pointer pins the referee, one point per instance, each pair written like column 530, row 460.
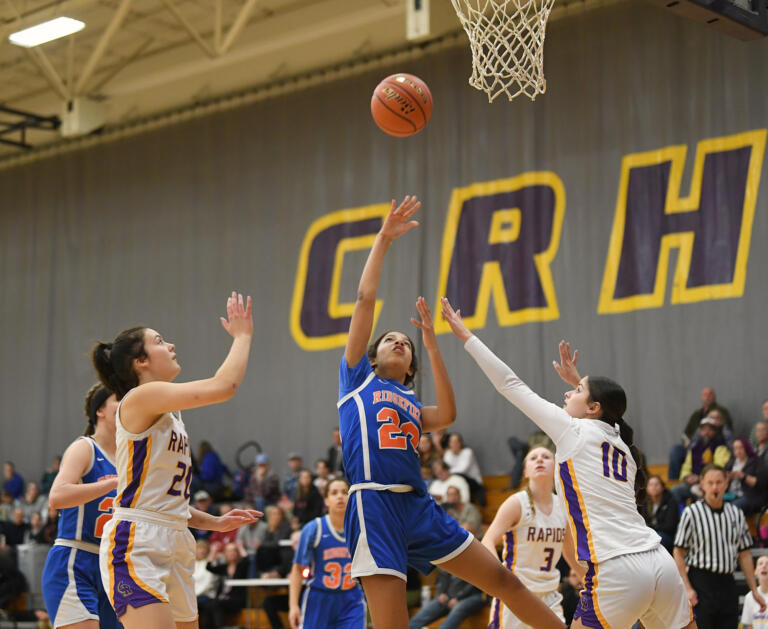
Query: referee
column 710, row 538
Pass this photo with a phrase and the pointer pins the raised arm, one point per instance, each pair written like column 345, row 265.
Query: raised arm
column 67, row 490
column 396, row 223
column 552, row 419
column 150, row 400
column 506, row 517
column 444, row 414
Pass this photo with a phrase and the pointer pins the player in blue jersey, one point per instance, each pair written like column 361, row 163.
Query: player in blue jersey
column 391, row 522
column 332, row 598
column 83, row 491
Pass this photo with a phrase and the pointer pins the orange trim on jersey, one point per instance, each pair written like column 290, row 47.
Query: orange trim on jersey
column 143, row 477
column 132, row 571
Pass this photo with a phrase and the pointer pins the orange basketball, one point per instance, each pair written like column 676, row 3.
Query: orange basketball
column 401, row 105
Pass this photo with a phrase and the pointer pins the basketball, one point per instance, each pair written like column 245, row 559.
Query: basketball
column 401, row 105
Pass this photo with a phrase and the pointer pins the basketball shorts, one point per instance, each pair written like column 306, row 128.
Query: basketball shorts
column 501, row 617
column 148, row 559
column 332, row 610
column 72, row 588
column 387, row 532
column 640, row 586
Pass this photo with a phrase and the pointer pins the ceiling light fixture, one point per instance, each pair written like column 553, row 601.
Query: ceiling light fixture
column 46, row 31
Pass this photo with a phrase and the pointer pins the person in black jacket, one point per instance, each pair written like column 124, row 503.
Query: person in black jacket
column 309, row 503
column 230, row 600
column 454, row 598
column 660, row 510
column 751, row 473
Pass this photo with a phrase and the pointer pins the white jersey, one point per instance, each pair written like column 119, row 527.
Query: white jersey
column 594, row 468
column 154, row 467
column 534, row 546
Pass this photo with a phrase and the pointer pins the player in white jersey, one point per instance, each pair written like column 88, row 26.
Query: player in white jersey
column 533, row 528
column 147, row 552
column 596, row 481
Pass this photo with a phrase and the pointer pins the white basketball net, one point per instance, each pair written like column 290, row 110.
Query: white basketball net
column 507, row 41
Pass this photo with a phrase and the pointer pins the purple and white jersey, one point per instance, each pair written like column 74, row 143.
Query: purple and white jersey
column 154, row 467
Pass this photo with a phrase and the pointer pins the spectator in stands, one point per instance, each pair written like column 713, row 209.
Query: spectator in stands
column 51, row 528
column 32, row 502
column 761, row 439
column 570, row 588
column 711, row 538
column 6, row 505
column 14, row 483
column 335, row 457
column 427, row 452
column 264, row 486
column 219, row 539
column 454, row 598
column 462, row 460
column 291, row 481
column 678, row 452
column 742, row 454
column 444, row 479
column 520, row 449
column 270, row 561
column 12, row 582
column 466, row 514
column 15, row 529
column 247, row 543
column 212, row 471
column 206, row 586
column 710, row 448
column 751, row 616
column 47, row 479
column 322, row 475
column 752, row 479
column 202, row 501
column 35, row 532
column 309, row 502
column 660, row 510
column 230, row 600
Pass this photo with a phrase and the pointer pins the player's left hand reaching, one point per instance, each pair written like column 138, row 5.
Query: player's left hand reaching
column 453, row 318
column 236, row 518
column 426, row 324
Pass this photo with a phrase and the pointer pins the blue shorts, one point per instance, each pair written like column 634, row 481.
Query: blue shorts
column 387, row 532
column 321, row 609
column 72, row 589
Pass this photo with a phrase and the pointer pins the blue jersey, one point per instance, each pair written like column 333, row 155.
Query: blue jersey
column 86, row 522
column 324, row 550
column 380, row 423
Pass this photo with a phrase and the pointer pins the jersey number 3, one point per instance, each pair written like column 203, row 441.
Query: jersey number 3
column 393, row 436
column 332, row 577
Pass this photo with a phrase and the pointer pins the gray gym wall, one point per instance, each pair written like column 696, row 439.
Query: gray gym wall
column 160, row 227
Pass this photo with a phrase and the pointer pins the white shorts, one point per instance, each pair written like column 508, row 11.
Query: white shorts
column 502, row 618
column 641, row 586
column 143, row 561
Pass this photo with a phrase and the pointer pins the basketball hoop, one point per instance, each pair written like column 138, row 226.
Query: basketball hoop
column 507, row 42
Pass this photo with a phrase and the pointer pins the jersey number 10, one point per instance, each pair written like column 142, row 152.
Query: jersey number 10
column 619, row 469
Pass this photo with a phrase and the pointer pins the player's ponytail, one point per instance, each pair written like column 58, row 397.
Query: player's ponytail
column 613, row 401
column 94, row 400
column 114, row 361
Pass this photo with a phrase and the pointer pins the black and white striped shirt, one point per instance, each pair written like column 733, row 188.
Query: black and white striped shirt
column 713, row 537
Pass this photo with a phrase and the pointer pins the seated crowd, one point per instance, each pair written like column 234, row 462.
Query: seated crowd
column 453, row 477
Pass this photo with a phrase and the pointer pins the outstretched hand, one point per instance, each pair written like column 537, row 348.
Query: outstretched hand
column 239, row 319
column 236, row 518
column 453, row 317
column 398, row 221
column 567, row 367
column 426, row 324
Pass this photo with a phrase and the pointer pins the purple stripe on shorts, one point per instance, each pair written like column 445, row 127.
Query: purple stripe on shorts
column 125, row 591
column 495, row 614
column 137, row 467
column 586, row 607
column 577, row 517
